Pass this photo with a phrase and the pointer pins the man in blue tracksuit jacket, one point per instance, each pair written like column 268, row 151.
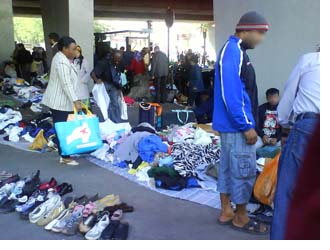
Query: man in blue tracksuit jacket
column 235, row 114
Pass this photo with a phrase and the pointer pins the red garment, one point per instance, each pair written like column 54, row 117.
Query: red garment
column 137, row 67
column 304, row 214
column 129, row 100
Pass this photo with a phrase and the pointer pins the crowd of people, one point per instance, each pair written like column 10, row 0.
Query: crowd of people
column 288, row 122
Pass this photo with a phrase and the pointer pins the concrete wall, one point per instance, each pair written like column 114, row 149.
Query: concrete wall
column 71, row 18
column 81, row 28
column 7, row 44
column 55, row 18
column 294, row 30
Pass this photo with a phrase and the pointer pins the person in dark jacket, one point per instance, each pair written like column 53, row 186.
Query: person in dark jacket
column 234, row 116
column 107, row 71
column 53, row 39
column 23, row 59
column 159, row 72
column 195, row 83
column 269, row 129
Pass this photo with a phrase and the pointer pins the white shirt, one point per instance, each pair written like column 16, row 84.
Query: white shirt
column 84, row 78
column 302, row 90
column 61, row 90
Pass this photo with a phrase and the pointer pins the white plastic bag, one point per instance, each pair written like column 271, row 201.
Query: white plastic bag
column 123, row 109
column 102, row 99
column 108, row 127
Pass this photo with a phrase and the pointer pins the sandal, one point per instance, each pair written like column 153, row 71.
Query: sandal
column 252, row 227
column 117, row 215
column 224, row 223
column 88, row 209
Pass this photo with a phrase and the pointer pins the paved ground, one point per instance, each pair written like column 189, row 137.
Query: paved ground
column 156, row 216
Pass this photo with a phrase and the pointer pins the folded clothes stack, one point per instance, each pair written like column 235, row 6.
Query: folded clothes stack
column 43, row 204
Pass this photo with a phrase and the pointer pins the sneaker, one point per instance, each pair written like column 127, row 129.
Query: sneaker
column 17, row 191
column 32, row 185
column 51, row 214
column 47, row 185
column 109, row 200
column 55, row 222
column 8, row 206
column 64, row 188
column 96, row 231
column 110, row 230
column 69, row 162
column 88, row 223
column 45, row 208
column 41, row 198
column 71, row 227
column 60, row 224
column 36, row 196
column 121, row 232
column 12, row 179
column 6, row 190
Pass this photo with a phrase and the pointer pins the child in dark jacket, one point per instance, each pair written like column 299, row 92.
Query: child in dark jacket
column 269, row 130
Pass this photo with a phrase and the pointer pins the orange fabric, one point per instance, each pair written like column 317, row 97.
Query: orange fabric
column 159, row 108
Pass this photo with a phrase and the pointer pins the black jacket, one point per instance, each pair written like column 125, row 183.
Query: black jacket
column 248, row 76
column 268, row 122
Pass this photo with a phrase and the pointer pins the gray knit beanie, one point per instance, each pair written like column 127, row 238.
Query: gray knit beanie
column 252, row 21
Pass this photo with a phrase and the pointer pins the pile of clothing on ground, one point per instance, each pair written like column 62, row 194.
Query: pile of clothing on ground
column 39, row 131
column 43, row 204
column 22, row 91
column 173, row 159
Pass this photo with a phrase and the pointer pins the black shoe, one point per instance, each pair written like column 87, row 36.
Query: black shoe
column 110, row 230
column 64, row 188
column 121, row 232
column 8, row 206
column 32, row 185
column 12, row 179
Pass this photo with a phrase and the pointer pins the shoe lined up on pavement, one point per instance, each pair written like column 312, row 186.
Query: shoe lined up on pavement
column 42, row 204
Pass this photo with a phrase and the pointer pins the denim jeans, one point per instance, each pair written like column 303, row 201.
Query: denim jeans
column 114, row 110
column 237, row 169
column 292, row 157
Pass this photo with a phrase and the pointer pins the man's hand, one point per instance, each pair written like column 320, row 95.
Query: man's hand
column 265, row 139
column 99, row 81
column 77, row 105
column 251, row 136
column 273, row 141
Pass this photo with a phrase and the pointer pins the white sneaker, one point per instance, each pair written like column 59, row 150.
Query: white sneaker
column 44, row 208
column 69, row 162
column 51, row 224
column 97, row 230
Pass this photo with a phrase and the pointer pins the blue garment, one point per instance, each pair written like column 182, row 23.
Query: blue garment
column 290, row 162
column 237, row 169
column 196, row 79
column 149, row 146
column 232, row 106
column 166, row 162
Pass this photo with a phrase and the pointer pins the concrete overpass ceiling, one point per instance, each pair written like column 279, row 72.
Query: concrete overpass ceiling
column 188, row 10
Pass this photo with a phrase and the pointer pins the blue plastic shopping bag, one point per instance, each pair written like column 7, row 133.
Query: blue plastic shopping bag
column 79, row 135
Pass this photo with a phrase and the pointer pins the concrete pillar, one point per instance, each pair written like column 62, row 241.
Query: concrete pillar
column 70, row 18
column 7, row 43
column 81, row 19
column 294, row 31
